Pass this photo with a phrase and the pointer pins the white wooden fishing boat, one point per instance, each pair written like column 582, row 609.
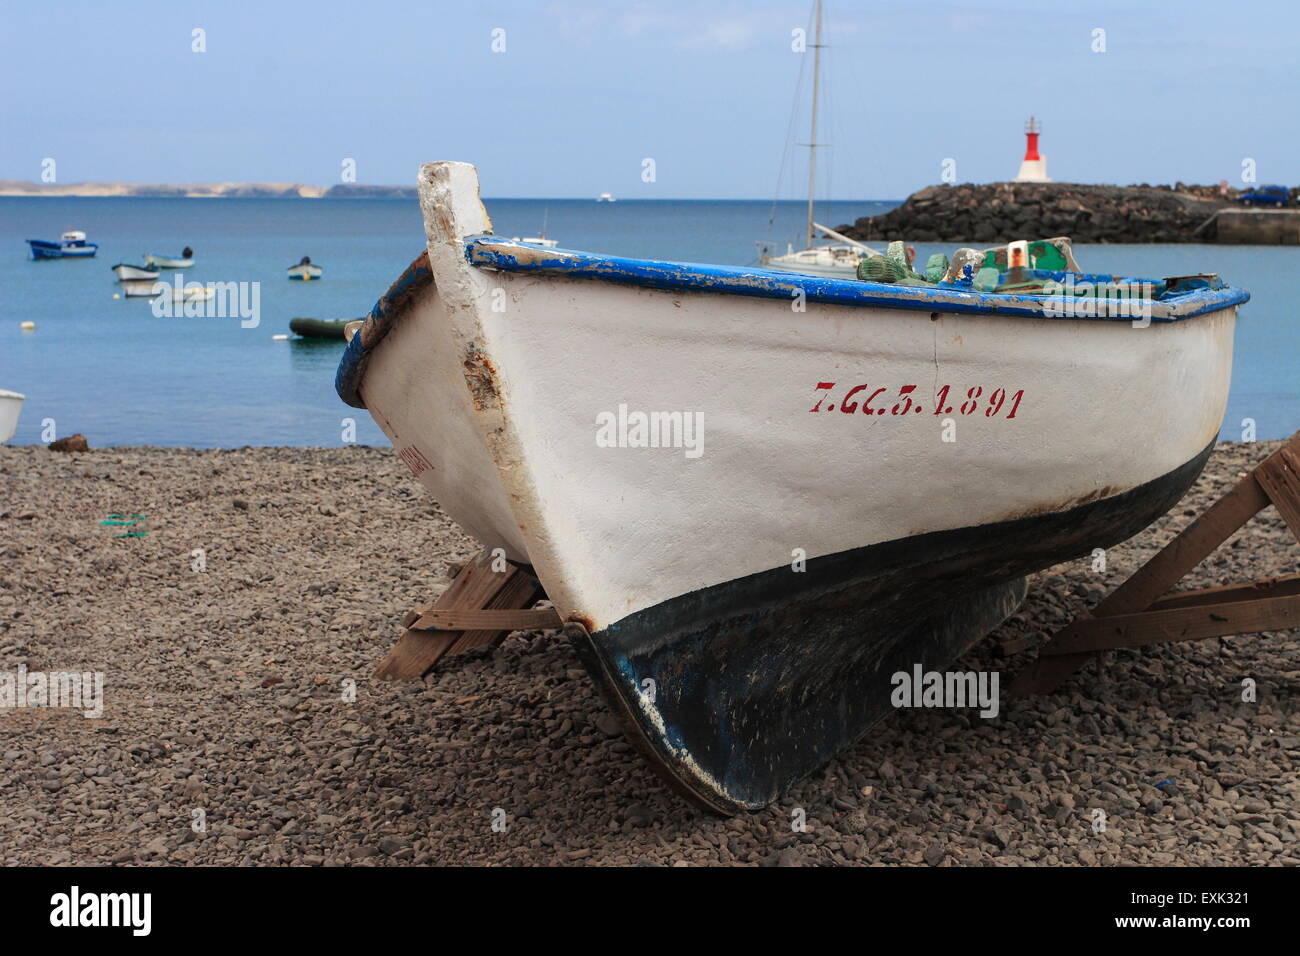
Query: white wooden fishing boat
column 184, row 261
column 126, row 273
column 304, row 271
column 11, row 406
column 754, row 495
column 605, row 197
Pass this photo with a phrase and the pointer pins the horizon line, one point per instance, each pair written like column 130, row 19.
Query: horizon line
column 591, row 199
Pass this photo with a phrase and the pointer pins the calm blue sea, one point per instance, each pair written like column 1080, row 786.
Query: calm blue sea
column 110, row 369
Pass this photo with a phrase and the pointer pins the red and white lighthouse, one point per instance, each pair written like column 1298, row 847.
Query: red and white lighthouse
column 1033, row 168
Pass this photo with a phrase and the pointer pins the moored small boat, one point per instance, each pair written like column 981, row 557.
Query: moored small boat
column 71, row 245
column 126, row 273
column 319, row 328
column 11, row 406
column 741, row 573
column 142, row 288
column 191, row 292
column 183, row 261
column 304, row 270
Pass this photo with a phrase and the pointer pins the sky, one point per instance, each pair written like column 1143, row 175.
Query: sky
column 579, row 93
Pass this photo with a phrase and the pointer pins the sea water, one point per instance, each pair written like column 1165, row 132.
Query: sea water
column 121, row 374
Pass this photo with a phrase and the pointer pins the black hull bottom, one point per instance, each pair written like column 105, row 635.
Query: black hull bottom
column 752, row 684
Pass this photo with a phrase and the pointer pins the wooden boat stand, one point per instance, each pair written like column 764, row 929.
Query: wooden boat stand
column 1135, row 614
column 488, row 598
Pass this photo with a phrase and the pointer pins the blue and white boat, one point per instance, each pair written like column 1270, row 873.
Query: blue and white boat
column 305, row 271
column 71, row 245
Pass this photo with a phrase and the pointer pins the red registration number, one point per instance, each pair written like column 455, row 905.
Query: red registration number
column 885, row 400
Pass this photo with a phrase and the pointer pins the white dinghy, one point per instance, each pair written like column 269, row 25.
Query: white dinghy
column 184, row 261
column 11, row 407
column 127, row 273
column 756, row 496
column 143, row 289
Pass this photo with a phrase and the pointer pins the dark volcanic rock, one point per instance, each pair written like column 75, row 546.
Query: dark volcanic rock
column 1000, row 212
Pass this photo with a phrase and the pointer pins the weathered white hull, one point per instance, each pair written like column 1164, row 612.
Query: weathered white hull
column 11, row 407
column 615, row 530
column 498, row 387
column 610, row 531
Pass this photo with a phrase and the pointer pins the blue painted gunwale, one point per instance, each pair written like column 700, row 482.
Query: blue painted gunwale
column 352, row 367
column 510, row 256
column 488, row 251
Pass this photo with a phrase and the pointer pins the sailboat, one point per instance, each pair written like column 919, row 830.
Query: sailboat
column 540, row 239
column 838, row 260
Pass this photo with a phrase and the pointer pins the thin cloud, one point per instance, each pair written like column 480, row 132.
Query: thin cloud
column 736, row 27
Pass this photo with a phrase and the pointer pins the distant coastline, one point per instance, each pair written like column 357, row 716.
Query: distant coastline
column 18, row 187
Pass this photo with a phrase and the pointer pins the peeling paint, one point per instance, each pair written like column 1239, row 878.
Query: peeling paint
column 480, row 376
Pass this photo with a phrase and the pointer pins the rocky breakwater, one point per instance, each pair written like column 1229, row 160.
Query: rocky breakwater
column 1000, row 212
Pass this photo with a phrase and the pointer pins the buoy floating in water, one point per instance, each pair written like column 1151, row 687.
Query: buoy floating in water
column 28, row 326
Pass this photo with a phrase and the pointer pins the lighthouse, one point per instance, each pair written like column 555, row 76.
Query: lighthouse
column 1033, row 168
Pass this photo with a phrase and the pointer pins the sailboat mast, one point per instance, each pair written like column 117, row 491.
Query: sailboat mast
column 812, row 137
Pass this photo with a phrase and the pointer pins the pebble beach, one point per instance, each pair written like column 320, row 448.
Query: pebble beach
column 239, row 619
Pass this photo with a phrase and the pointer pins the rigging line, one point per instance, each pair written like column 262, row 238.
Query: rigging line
column 836, row 131
column 866, row 161
column 833, row 130
column 839, row 137
column 789, row 130
column 812, row 131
